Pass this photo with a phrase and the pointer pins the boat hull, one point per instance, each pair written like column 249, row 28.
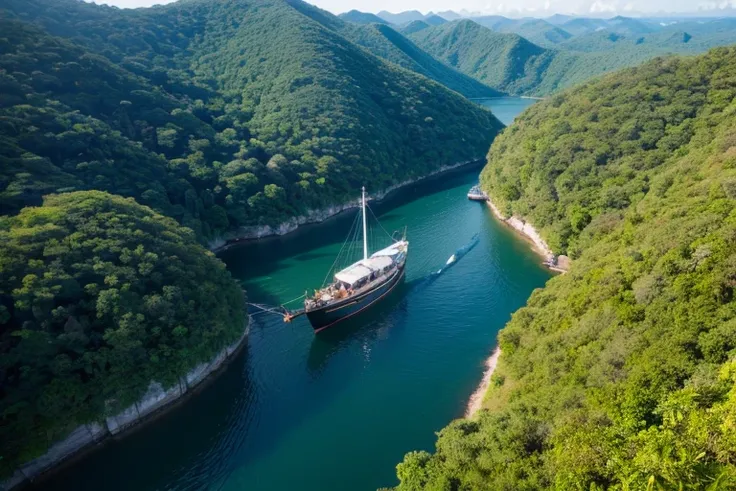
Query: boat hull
column 330, row 315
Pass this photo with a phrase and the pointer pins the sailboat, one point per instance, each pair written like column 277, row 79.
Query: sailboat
column 358, row 286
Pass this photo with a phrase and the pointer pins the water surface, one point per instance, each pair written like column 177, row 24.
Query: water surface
column 506, row 108
column 339, row 410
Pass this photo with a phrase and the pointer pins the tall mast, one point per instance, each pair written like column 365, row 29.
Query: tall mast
column 365, row 237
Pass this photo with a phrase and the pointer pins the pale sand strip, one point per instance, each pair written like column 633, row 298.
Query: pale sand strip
column 476, row 400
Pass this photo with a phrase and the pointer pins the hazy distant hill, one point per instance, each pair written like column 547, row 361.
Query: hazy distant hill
column 362, row 18
column 540, row 32
column 579, row 26
column 413, row 26
column 627, row 25
column 401, row 17
column 506, row 62
column 435, row 20
column 511, row 63
column 449, row 15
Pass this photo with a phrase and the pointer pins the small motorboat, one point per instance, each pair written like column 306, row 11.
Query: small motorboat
column 477, row 194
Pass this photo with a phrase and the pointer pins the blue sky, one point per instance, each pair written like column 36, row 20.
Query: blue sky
column 536, row 8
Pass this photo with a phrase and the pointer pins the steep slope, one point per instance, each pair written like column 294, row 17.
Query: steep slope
column 435, row 20
column 99, row 296
column 414, row 26
column 515, row 65
column 506, row 62
column 387, row 43
column 539, row 32
column 619, row 374
column 259, row 126
column 362, row 17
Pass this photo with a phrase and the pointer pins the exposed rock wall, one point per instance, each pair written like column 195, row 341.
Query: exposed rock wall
column 155, row 399
column 313, row 216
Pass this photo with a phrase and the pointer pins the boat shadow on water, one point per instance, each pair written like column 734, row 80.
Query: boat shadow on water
column 366, row 327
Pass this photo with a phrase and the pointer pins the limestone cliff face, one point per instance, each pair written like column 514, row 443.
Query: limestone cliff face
column 154, row 400
column 313, row 216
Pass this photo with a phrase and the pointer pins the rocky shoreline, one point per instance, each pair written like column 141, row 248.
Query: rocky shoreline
column 243, row 234
column 560, row 264
column 154, row 403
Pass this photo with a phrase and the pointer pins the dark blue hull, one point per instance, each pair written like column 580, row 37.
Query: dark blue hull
column 331, row 314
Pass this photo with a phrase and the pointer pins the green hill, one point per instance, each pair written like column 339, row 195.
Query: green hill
column 506, row 62
column 537, row 31
column 385, row 42
column 620, row 373
column 414, row 26
column 254, row 127
column 512, row 64
column 362, row 18
column 98, row 297
column 435, row 20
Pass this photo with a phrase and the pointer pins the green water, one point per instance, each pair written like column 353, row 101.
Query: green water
column 337, row 411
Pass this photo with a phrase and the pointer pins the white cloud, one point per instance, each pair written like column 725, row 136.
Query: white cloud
column 599, row 6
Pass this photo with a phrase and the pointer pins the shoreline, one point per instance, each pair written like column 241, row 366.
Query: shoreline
column 558, row 264
column 87, row 438
column 255, row 232
column 475, row 403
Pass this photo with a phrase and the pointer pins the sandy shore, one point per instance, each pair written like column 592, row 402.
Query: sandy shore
column 476, row 400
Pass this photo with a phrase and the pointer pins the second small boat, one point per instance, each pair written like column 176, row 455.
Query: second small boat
column 477, row 194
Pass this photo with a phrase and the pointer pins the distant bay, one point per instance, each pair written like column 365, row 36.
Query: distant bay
column 506, row 108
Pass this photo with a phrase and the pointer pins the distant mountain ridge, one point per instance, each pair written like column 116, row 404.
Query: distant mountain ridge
column 511, row 63
column 362, row 18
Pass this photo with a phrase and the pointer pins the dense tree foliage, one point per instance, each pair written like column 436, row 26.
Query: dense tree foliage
column 214, row 113
column 511, row 63
column 98, row 297
column 218, row 113
column 620, row 374
column 387, row 43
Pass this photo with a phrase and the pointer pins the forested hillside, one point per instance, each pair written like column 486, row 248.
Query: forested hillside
column 619, row 374
column 98, row 297
column 511, row 63
column 387, row 43
column 506, row 62
column 256, row 111
column 213, row 114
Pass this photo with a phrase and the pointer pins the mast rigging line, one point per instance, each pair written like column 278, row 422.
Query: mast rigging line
column 390, row 236
column 353, row 231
